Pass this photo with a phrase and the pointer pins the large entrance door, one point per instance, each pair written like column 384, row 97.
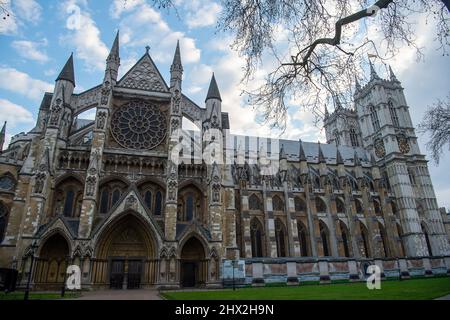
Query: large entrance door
column 193, row 265
column 188, row 276
column 134, row 274
column 117, row 274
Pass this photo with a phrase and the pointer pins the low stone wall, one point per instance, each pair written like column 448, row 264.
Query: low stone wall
column 293, row 271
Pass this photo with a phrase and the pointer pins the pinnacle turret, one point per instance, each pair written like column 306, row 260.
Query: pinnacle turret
column 68, row 73
column 213, row 91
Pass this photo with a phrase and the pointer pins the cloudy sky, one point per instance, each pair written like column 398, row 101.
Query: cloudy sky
column 38, row 37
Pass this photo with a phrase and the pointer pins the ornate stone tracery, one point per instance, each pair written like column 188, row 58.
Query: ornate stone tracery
column 139, row 125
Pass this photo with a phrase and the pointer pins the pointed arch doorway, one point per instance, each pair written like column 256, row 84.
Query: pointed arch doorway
column 125, row 256
column 193, row 263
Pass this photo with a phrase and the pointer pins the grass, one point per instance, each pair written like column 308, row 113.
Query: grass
column 413, row 289
column 18, row 295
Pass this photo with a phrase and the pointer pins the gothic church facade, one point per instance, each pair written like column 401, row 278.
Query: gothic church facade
column 106, row 195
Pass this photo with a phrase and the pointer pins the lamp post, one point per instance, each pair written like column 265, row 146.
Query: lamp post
column 30, row 271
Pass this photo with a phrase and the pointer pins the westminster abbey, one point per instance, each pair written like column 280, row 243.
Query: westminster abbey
column 121, row 199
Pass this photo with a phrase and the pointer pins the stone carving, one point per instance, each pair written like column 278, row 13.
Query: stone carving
column 105, row 93
column 144, row 77
column 90, row 186
column 56, row 111
column 130, row 201
column 176, row 101
column 101, row 118
column 139, row 125
column 39, row 182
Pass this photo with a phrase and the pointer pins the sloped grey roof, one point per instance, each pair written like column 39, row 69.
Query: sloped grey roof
column 67, row 73
column 46, row 101
column 213, row 91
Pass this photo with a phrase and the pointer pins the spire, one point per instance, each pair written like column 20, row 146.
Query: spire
column 2, row 136
column 373, row 73
column 392, row 75
column 176, row 64
column 301, row 153
column 67, row 72
column 356, row 159
column 326, row 112
column 339, row 159
column 338, row 103
column 213, row 91
column 114, row 53
column 321, row 157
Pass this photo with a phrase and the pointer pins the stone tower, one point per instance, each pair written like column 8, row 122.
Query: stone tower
column 388, row 133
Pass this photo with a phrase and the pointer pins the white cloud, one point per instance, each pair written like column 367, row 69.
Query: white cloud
column 8, row 23
column 201, row 13
column 29, row 10
column 14, row 114
column 21, row 83
column 31, row 50
column 144, row 26
column 119, row 7
column 84, row 35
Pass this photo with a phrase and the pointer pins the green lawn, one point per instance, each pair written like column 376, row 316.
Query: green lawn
column 18, row 295
column 413, row 289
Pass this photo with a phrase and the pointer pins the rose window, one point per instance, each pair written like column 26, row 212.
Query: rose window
column 138, row 125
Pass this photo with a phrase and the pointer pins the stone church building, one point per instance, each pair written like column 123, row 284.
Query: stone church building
column 118, row 197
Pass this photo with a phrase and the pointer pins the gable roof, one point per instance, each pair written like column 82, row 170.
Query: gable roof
column 144, row 75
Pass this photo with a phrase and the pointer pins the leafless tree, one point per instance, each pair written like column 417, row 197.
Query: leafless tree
column 4, row 10
column 436, row 123
column 326, row 45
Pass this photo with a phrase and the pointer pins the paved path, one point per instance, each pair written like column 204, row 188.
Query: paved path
column 447, row 297
column 142, row 294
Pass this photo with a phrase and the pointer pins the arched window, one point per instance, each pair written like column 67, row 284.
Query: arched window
column 280, row 235
column 104, row 201
column 254, row 203
column 148, row 199
column 256, row 238
column 324, row 235
column 395, row 210
column 340, row 207
column 354, row 137
column 299, row 204
column 383, row 239
column 7, row 183
column 374, row 118
column 393, row 113
column 344, row 235
column 190, row 205
column 412, row 178
column 152, row 196
column 377, row 207
column 336, row 137
column 68, row 198
column 68, row 204
column 302, row 238
column 278, row 204
column 115, row 197
column 110, row 193
column 358, row 206
column 365, row 239
column 427, row 239
column 320, row 205
column 158, row 203
column 3, row 221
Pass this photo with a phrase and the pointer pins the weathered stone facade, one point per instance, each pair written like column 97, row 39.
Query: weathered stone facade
column 119, row 197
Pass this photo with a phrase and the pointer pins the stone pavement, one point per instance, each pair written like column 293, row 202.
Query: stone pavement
column 141, row 294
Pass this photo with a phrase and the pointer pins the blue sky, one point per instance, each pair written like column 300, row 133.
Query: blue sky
column 37, row 39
